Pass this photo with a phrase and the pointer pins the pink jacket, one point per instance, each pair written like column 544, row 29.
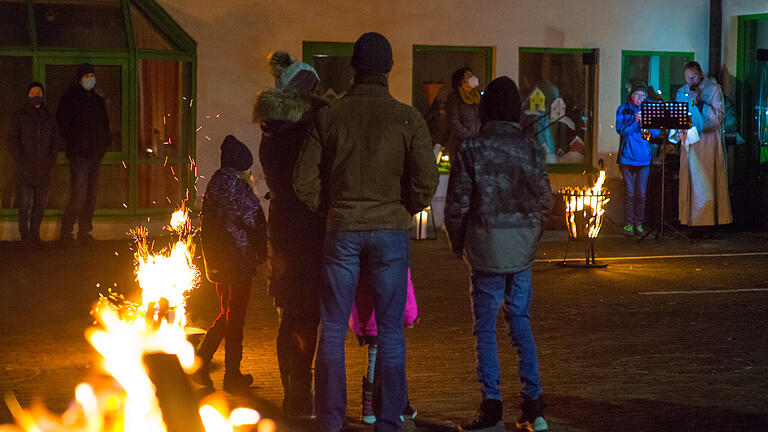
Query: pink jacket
column 362, row 321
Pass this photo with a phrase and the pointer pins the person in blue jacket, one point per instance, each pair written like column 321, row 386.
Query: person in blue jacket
column 634, row 159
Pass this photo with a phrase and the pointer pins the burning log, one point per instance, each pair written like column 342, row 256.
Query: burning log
column 584, row 212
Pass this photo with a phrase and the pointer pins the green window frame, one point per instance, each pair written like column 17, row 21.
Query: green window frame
column 590, row 135
column 128, row 59
column 664, row 78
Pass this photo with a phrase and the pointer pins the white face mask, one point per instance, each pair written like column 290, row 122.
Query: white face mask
column 473, row 81
column 88, row 83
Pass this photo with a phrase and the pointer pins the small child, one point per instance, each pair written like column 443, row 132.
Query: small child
column 234, row 238
column 362, row 321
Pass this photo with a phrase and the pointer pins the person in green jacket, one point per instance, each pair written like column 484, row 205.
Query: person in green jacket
column 368, row 166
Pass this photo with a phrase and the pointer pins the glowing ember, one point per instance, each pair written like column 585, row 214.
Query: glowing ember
column 584, row 208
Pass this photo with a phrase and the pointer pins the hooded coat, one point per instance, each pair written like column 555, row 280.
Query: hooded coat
column 34, row 141
column 84, row 123
column 295, row 232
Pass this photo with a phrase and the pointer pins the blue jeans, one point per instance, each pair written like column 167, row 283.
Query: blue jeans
column 83, row 188
column 385, row 255
column 488, row 291
column 635, row 180
column 31, row 200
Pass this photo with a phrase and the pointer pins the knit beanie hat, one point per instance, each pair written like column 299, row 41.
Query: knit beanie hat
column 501, row 101
column 639, row 87
column 83, row 69
column 372, row 53
column 291, row 75
column 36, row 84
column 234, row 154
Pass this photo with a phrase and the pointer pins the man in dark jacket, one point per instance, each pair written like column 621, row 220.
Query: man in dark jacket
column 33, row 140
column 498, row 196
column 84, row 125
column 368, row 165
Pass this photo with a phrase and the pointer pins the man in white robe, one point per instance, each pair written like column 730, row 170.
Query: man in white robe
column 704, row 199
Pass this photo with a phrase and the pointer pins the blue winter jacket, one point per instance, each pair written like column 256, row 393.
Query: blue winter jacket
column 633, row 149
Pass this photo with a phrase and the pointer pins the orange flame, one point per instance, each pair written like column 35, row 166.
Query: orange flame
column 588, row 206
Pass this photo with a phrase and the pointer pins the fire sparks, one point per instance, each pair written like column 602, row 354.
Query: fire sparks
column 142, row 344
column 584, row 208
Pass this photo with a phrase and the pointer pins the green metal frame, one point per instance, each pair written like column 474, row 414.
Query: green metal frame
column 309, row 49
column 625, row 65
column 590, row 136
column 128, row 59
column 490, row 60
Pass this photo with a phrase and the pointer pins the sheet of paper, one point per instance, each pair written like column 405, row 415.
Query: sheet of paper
column 692, row 136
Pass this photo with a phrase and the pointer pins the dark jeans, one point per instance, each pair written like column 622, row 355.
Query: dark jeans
column 229, row 324
column 84, row 186
column 635, row 180
column 385, row 255
column 31, row 200
column 296, row 343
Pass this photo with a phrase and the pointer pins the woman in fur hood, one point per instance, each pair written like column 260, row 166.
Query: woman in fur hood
column 285, row 114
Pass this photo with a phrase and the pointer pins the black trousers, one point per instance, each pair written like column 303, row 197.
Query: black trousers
column 31, row 200
column 84, row 186
column 296, row 343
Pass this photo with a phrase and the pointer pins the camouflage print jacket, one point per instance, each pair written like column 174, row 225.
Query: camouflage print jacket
column 498, row 196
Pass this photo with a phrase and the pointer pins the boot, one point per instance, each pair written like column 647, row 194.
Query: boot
column 487, row 419
column 532, row 419
column 236, row 382
column 202, row 377
column 368, row 416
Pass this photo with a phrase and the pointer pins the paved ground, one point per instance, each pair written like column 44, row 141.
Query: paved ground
column 623, row 348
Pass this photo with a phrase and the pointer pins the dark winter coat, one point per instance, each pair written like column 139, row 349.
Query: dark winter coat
column 233, row 227
column 83, row 123
column 367, row 162
column 295, row 232
column 498, row 196
column 34, row 141
column 463, row 121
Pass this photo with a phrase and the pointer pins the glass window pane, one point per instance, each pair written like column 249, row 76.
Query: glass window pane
column 80, row 23
column 14, row 25
column 158, row 185
column 335, row 72
column 145, row 34
column 108, row 85
column 113, row 187
column 663, row 74
column 435, row 67
column 16, row 73
column 545, row 78
column 160, row 107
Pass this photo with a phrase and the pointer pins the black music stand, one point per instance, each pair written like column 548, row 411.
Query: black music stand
column 664, row 116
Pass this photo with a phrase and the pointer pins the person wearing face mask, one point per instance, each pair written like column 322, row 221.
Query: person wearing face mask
column 703, row 199
column 462, row 108
column 84, row 125
column 34, row 141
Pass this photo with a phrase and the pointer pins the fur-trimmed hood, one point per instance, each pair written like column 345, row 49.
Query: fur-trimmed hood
column 276, row 104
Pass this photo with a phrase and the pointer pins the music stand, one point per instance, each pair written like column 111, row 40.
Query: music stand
column 664, row 116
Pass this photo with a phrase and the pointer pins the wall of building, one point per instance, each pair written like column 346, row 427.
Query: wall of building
column 235, row 37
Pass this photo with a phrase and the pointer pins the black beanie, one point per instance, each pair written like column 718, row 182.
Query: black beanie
column 83, row 69
column 234, row 154
column 500, row 101
column 372, row 53
column 35, row 84
column 639, row 87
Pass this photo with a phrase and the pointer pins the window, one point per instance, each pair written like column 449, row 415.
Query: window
column 662, row 72
column 558, row 88
column 331, row 60
column 145, row 72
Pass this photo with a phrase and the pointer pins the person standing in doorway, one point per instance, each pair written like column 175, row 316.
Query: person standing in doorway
column 84, row 125
column 634, row 159
column 34, row 141
column 704, row 201
column 368, row 165
column 498, row 198
column 462, row 108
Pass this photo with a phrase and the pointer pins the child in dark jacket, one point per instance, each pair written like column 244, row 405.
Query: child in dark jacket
column 233, row 229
